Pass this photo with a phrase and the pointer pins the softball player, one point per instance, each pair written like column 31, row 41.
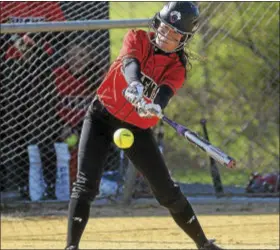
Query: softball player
column 151, row 65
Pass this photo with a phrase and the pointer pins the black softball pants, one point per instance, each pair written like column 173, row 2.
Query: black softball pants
column 96, row 136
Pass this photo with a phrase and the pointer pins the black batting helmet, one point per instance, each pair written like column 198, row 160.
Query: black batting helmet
column 182, row 17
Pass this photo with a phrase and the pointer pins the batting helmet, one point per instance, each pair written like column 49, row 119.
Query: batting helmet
column 182, row 17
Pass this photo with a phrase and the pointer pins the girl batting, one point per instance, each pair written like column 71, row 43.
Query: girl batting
column 151, row 66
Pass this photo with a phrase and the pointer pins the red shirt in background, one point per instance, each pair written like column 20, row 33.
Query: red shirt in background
column 26, row 12
column 156, row 69
column 74, row 96
column 23, row 12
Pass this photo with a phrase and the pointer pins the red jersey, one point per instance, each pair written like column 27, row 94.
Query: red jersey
column 156, row 69
column 74, row 96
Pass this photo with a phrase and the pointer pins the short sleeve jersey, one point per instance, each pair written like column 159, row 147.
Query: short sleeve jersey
column 156, row 69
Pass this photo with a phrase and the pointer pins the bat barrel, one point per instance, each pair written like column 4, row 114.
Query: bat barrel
column 214, row 152
column 220, row 156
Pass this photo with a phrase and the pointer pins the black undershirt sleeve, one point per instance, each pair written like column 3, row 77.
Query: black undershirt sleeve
column 163, row 96
column 132, row 72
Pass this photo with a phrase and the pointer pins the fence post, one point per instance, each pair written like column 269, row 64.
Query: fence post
column 129, row 184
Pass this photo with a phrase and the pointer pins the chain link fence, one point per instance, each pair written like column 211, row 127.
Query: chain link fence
column 48, row 79
column 234, row 85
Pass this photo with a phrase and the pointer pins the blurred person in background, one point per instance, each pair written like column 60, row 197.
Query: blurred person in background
column 80, row 72
column 28, row 112
column 77, row 76
column 31, row 116
column 69, row 66
column 98, row 42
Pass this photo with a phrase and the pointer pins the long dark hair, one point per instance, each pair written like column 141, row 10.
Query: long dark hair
column 184, row 59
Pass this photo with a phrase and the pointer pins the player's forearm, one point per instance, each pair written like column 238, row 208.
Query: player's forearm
column 131, row 70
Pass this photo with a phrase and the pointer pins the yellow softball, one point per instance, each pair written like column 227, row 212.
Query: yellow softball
column 123, row 138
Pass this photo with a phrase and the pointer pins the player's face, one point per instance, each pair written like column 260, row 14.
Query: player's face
column 78, row 58
column 167, row 39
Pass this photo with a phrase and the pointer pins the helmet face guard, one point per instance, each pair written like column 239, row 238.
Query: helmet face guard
column 155, row 23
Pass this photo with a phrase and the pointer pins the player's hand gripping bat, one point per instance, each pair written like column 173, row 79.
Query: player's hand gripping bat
column 194, row 138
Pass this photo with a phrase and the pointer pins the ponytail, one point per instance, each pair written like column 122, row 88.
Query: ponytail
column 184, row 59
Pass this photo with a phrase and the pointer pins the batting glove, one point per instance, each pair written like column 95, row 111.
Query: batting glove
column 150, row 110
column 134, row 92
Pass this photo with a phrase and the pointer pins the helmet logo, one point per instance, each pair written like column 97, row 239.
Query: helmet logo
column 175, row 16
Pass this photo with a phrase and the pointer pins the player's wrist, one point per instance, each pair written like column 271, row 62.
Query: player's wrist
column 138, row 86
column 134, row 92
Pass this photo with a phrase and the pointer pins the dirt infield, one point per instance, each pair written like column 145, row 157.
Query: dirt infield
column 141, row 228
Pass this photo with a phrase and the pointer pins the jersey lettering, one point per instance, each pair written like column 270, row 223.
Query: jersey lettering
column 150, row 87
